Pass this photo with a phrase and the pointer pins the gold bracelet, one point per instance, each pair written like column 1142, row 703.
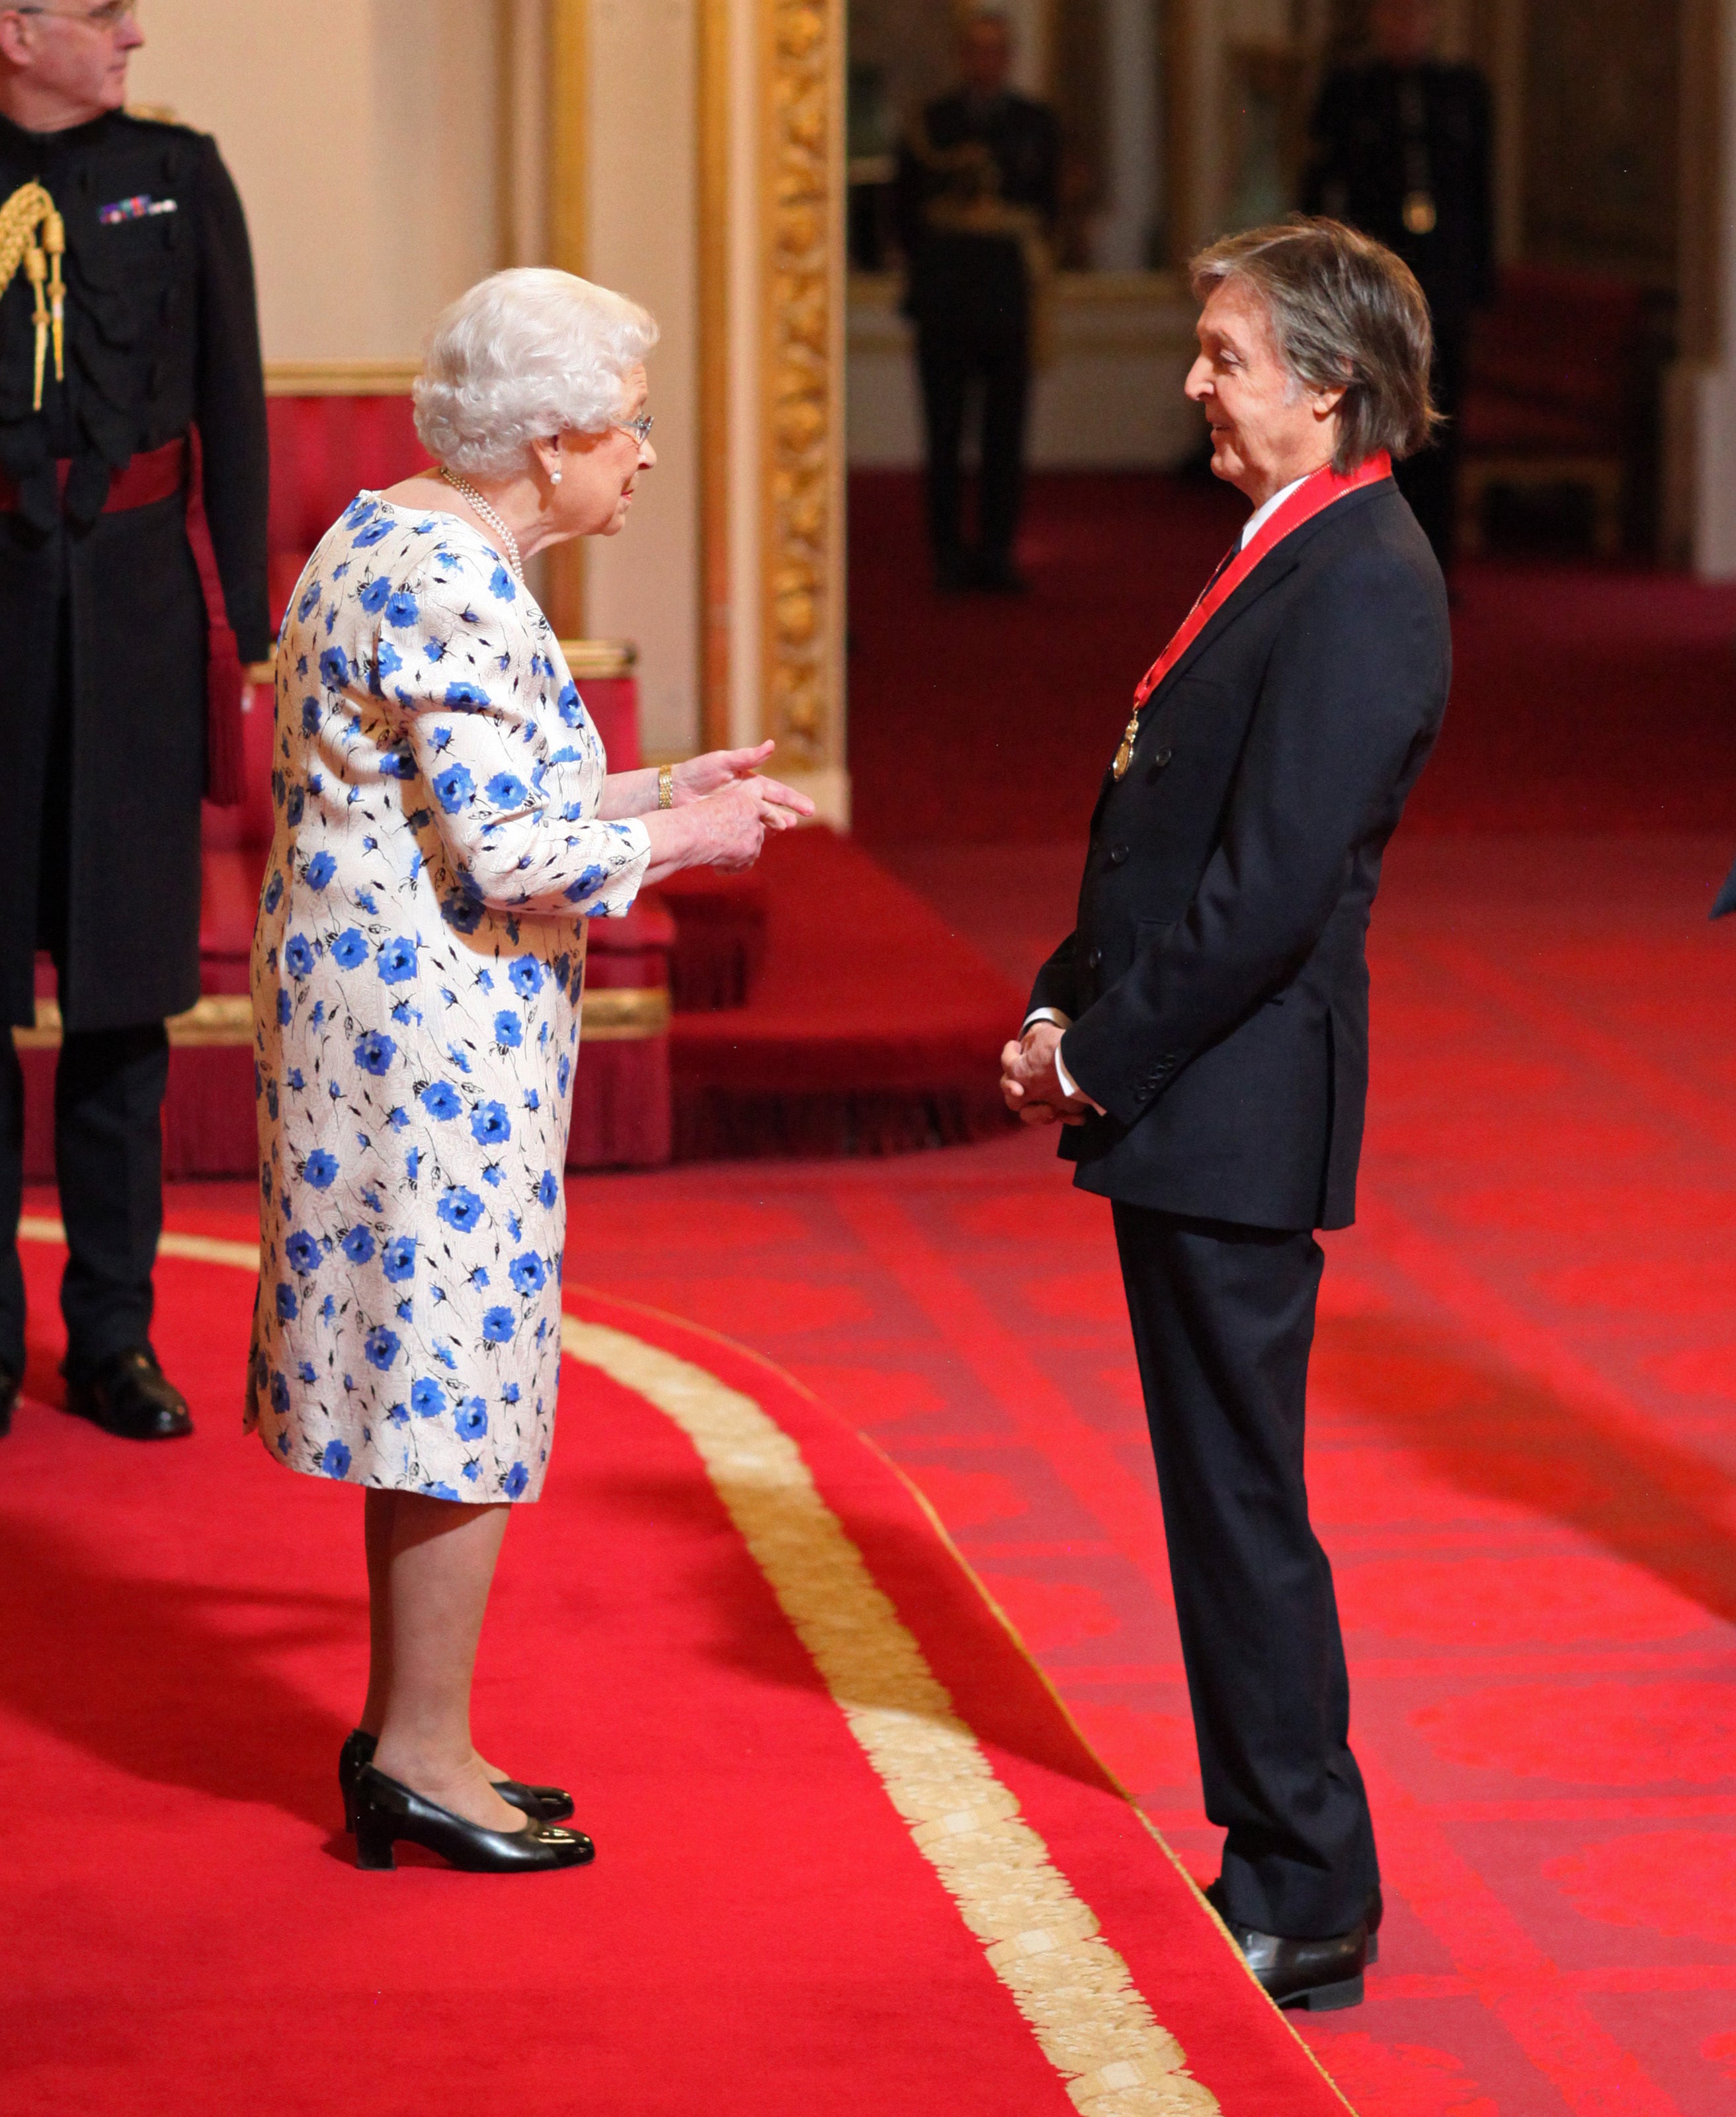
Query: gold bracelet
column 665, row 786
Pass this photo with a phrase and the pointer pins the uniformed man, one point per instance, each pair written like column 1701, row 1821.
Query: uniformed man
column 1402, row 151
column 978, row 188
column 133, row 536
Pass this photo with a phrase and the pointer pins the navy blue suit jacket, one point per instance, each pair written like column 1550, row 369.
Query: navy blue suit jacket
column 1218, row 978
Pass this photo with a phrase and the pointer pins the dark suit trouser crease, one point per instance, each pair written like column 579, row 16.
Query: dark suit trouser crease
column 947, row 362
column 109, row 1089
column 1223, row 1322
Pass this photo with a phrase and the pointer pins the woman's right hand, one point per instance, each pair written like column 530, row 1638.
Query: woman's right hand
column 725, row 830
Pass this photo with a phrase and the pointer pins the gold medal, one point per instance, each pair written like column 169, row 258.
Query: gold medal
column 1125, row 754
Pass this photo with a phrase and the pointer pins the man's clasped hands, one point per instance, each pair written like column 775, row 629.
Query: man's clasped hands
column 1032, row 1084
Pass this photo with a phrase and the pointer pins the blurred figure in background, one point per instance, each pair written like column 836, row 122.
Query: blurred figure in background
column 978, row 188
column 1402, row 151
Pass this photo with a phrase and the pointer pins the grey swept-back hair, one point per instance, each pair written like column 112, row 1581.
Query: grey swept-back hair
column 524, row 355
column 1344, row 309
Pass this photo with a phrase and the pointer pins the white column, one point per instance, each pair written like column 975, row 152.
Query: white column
column 1120, row 239
column 643, row 585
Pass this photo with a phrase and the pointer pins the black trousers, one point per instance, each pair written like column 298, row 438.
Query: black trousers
column 950, row 359
column 109, row 1088
column 1223, row 1322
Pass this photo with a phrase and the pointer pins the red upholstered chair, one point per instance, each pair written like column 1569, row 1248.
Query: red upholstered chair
column 1555, row 394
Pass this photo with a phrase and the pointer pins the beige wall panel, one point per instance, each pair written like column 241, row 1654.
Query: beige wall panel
column 644, row 178
column 361, row 137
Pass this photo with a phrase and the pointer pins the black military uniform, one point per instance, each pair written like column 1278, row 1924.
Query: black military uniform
column 105, row 720
column 1403, row 153
column 978, row 187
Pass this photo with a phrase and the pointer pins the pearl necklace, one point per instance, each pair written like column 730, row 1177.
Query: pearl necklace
column 466, row 490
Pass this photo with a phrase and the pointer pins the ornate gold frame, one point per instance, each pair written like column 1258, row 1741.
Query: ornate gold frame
column 801, row 360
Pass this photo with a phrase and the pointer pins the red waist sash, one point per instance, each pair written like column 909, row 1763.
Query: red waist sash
column 1313, row 497
column 159, row 474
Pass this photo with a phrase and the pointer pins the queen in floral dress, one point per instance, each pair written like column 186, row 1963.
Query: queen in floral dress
column 446, row 825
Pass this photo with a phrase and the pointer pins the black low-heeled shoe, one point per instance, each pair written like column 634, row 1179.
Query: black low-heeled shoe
column 388, row 1814
column 541, row 1804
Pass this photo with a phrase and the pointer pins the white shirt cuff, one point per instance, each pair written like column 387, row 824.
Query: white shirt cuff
column 1061, row 1022
column 1062, row 1074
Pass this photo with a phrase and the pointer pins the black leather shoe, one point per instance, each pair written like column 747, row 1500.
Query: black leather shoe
column 130, row 1395
column 9, row 1387
column 541, row 1804
column 1319, row 1975
column 388, row 1814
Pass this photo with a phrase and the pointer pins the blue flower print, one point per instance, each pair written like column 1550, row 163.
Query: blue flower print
column 287, row 1306
column 372, row 597
column 453, row 788
column 321, row 868
column 319, row 1169
column 374, row 533
column 509, row 1395
column 465, row 696
column 586, row 885
column 439, row 1098
column 501, row 586
column 428, row 1399
column 336, row 1460
column 279, row 1394
column 440, row 1491
column 527, row 976
column 492, row 1125
column 348, row 949
column 375, row 1052
column 309, row 602
column 399, row 764
column 360, row 509
column 285, row 1006
column 460, row 1208
column 302, row 1251
column 298, row 956
column 381, row 1347
column 387, row 662
column 397, row 961
column 506, row 790
column 463, row 915
column 402, row 611
column 473, row 1419
column 398, row 1259
column 273, row 894
column 563, row 1074
column 498, row 1326
column 527, row 1273
column 507, row 1033
column 570, row 705
column 547, row 1191
column 357, row 1245
column 295, row 803
column 517, row 1478
column 333, row 668
column 313, row 713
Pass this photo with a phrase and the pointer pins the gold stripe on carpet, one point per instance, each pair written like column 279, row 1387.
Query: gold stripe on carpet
column 1091, row 2020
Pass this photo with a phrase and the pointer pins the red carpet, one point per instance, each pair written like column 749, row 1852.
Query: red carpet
column 762, row 1931
column 1587, row 697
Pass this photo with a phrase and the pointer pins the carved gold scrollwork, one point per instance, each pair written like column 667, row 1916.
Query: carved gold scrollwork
column 803, row 392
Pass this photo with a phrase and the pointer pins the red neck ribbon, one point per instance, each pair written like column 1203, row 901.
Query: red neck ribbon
column 1313, row 497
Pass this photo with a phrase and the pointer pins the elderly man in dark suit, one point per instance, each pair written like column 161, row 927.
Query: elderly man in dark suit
column 978, row 189
column 1402, row 148
column 128, row 338
column 1202, row 1033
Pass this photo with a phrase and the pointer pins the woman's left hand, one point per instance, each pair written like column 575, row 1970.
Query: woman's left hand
column 697, row 776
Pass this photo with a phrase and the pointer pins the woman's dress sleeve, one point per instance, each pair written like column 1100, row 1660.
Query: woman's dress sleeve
column 516, row 815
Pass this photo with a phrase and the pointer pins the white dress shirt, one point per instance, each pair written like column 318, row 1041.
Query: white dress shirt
column 1251, row 528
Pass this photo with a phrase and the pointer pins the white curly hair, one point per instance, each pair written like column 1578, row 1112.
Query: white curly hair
column 524, row 355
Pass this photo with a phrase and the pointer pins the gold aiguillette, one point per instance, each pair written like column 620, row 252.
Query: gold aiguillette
column 1125, row 754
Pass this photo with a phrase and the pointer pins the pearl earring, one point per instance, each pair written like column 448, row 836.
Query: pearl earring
column 554, row 477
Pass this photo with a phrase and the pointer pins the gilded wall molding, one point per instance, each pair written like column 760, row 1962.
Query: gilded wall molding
column 802, row 361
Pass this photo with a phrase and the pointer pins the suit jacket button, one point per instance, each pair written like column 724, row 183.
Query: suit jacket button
column 1161, row 758
column 1094, row 959
column 1117, row 854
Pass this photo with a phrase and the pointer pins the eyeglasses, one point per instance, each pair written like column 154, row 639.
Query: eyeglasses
column 639, row 428
column 108, row 16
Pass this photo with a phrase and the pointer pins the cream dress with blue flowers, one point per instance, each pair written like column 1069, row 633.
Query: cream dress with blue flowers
column 417, row 971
